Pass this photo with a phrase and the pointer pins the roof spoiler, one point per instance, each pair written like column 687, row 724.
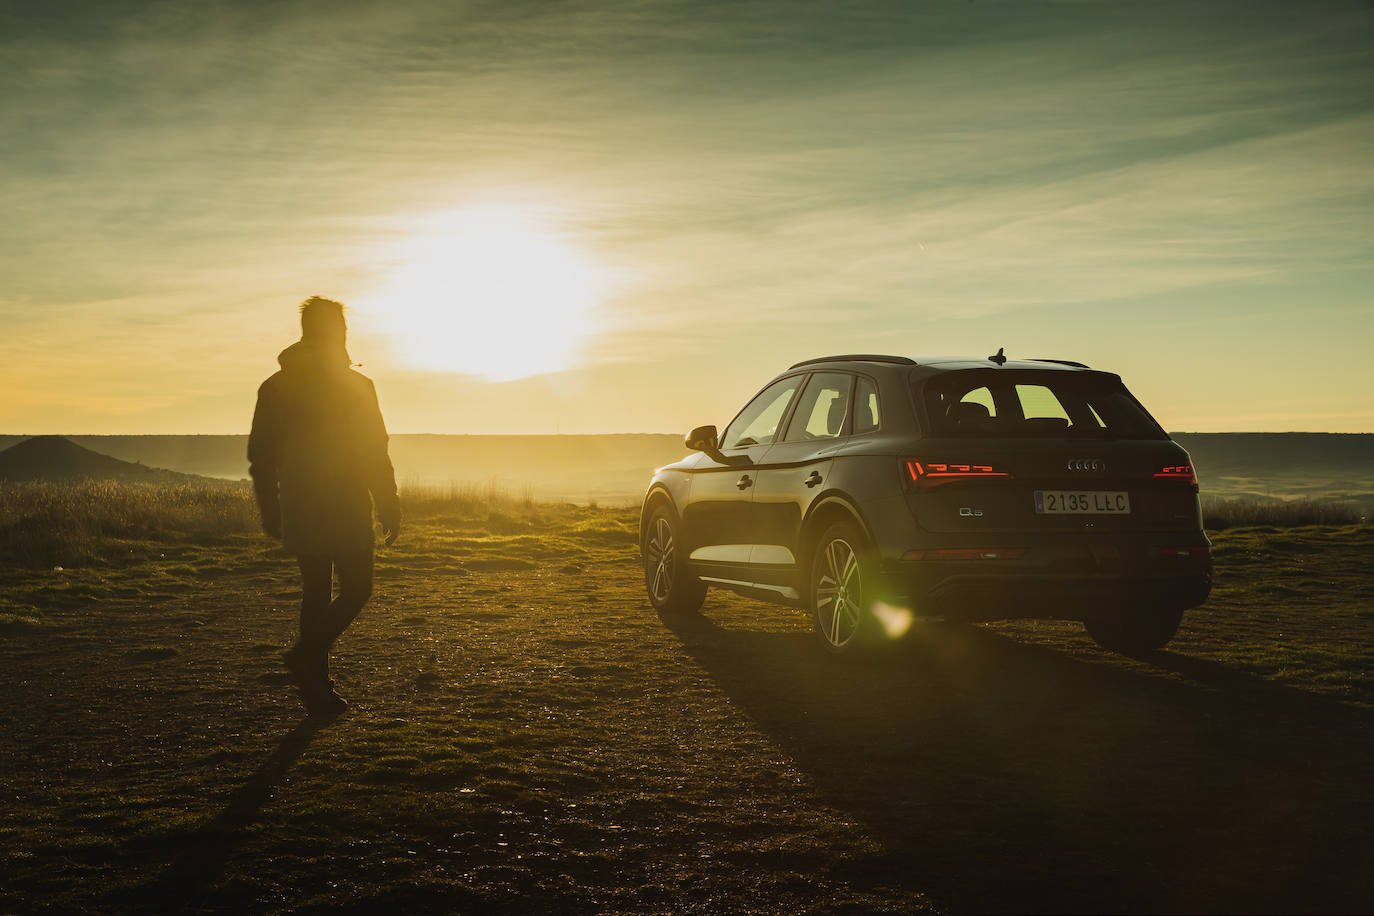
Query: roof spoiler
column 1062, row 362
column 856, row 358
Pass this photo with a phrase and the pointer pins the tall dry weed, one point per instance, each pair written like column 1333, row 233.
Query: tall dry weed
column 1219, row 514
column 72, row 524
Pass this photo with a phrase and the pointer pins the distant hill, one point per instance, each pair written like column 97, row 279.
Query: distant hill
column 612, row 467
column 1286, row 453
column 55, row 459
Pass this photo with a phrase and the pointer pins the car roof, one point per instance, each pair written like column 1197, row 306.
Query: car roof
column 933, row 365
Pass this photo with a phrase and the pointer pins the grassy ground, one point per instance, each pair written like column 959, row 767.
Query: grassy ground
column 528, row 735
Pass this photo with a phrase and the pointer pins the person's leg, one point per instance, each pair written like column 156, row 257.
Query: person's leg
column 308, row 659
column 355, row 587
column 317, row 579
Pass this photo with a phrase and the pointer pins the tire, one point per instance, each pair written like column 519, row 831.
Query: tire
column 1134, row 631
column 840, row 589
column 672, row 589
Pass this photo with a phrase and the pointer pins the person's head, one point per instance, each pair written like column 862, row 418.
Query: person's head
column 322, row 321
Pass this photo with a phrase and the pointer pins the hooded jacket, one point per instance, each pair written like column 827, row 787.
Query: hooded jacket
column 318, row 450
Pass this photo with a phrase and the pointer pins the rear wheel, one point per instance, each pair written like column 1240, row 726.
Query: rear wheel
column 672, row 589
column 1134, row 630
column 841, row 590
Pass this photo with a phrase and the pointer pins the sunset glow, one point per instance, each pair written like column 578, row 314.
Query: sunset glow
column 544, row 221
column 488, row 291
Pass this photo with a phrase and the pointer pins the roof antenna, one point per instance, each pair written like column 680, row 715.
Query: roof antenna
column 997, row 357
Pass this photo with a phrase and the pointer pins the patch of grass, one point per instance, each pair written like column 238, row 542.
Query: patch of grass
column 1220, row 514
column 115, row 523
column 16, row 622
column 77, row 524
column 606, row 530
column 153, row 654
column 498, row 564
column 561, row 750
column 1314, row 586
column 465, row 500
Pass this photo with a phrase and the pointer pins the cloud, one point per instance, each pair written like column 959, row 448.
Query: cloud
column 767, row 178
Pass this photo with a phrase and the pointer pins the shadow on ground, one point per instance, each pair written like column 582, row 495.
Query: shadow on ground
column 203, row 855
column 1006, row 777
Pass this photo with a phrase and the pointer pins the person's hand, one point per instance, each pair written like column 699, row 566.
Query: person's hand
column 391, row 527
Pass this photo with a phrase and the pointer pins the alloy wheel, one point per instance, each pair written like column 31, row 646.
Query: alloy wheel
column 660, row 554
column 839, row 593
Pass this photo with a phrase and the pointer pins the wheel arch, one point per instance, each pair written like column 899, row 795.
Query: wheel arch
column 658, row 495
column 830, row 508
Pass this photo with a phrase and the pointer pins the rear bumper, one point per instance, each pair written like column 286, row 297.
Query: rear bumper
column 979, row 590
column 972, row 598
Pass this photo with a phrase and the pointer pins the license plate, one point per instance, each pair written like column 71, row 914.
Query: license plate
column 1077, row 502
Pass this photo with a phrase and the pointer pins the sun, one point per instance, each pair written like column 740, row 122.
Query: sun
column 490, row 291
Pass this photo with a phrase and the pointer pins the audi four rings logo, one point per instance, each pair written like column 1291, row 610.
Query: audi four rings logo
column 1087, row 464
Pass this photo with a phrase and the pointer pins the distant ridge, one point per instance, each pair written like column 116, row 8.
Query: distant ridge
column 1279, row 453
column 58, row 459
column 616, row 466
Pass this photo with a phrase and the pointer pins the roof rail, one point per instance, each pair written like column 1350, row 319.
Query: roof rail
column 1062, row 362
column 857, row 358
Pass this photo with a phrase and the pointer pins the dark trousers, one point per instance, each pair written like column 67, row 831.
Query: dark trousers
column 323, row 619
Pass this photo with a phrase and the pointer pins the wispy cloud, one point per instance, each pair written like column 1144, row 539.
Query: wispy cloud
column 768, row 178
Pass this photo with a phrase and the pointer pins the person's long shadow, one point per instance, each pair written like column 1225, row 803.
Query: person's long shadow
column 1001, row 776
column 202, row 855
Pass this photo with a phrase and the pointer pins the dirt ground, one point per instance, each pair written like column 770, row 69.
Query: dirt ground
column 527, row 735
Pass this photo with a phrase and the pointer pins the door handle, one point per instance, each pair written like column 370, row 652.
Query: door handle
column 745, row 482
column 814, row 479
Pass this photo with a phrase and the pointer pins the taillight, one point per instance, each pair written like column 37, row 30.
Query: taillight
column 931, row 473
column 1182, row 472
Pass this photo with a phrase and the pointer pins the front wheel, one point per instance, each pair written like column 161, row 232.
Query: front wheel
column 1134, row 630
column 841, row 590
column 672, row 589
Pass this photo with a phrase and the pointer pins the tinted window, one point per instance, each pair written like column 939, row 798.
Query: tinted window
column 758, row 423
column 823, row 408
column 1043, row 410
column 867, row 417
column 1031, row 404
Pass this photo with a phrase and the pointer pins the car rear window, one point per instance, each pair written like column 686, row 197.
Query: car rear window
column 1027, row 404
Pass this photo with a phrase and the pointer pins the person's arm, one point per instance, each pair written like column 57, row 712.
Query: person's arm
column 381, row 476
column 262, row 462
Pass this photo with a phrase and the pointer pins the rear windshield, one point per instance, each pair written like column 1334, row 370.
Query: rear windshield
column 1033, row 405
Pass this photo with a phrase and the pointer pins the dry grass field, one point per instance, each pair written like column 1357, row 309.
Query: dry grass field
column 527, row 735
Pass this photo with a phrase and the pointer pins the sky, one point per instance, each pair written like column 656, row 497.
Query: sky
column 628, row 216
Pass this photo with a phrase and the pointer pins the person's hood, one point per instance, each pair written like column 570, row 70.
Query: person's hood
column 303, row 356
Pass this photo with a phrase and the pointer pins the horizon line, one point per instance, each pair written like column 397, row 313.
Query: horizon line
column 392, row 435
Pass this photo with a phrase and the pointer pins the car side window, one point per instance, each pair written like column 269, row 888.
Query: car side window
column 757, row 423
column 823, row 408
column 867, row 416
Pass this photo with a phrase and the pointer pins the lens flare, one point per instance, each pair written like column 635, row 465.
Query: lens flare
column 895, row 621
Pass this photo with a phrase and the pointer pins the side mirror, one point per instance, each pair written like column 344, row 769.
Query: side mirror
column 702, row 439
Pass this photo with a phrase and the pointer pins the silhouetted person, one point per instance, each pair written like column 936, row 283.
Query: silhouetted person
column 319, row 462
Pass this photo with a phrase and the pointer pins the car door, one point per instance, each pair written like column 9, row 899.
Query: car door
column 795, row 471
column 718, row 523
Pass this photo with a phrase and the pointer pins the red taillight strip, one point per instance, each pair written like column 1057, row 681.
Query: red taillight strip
column 1182, row 472
column 946, row 471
